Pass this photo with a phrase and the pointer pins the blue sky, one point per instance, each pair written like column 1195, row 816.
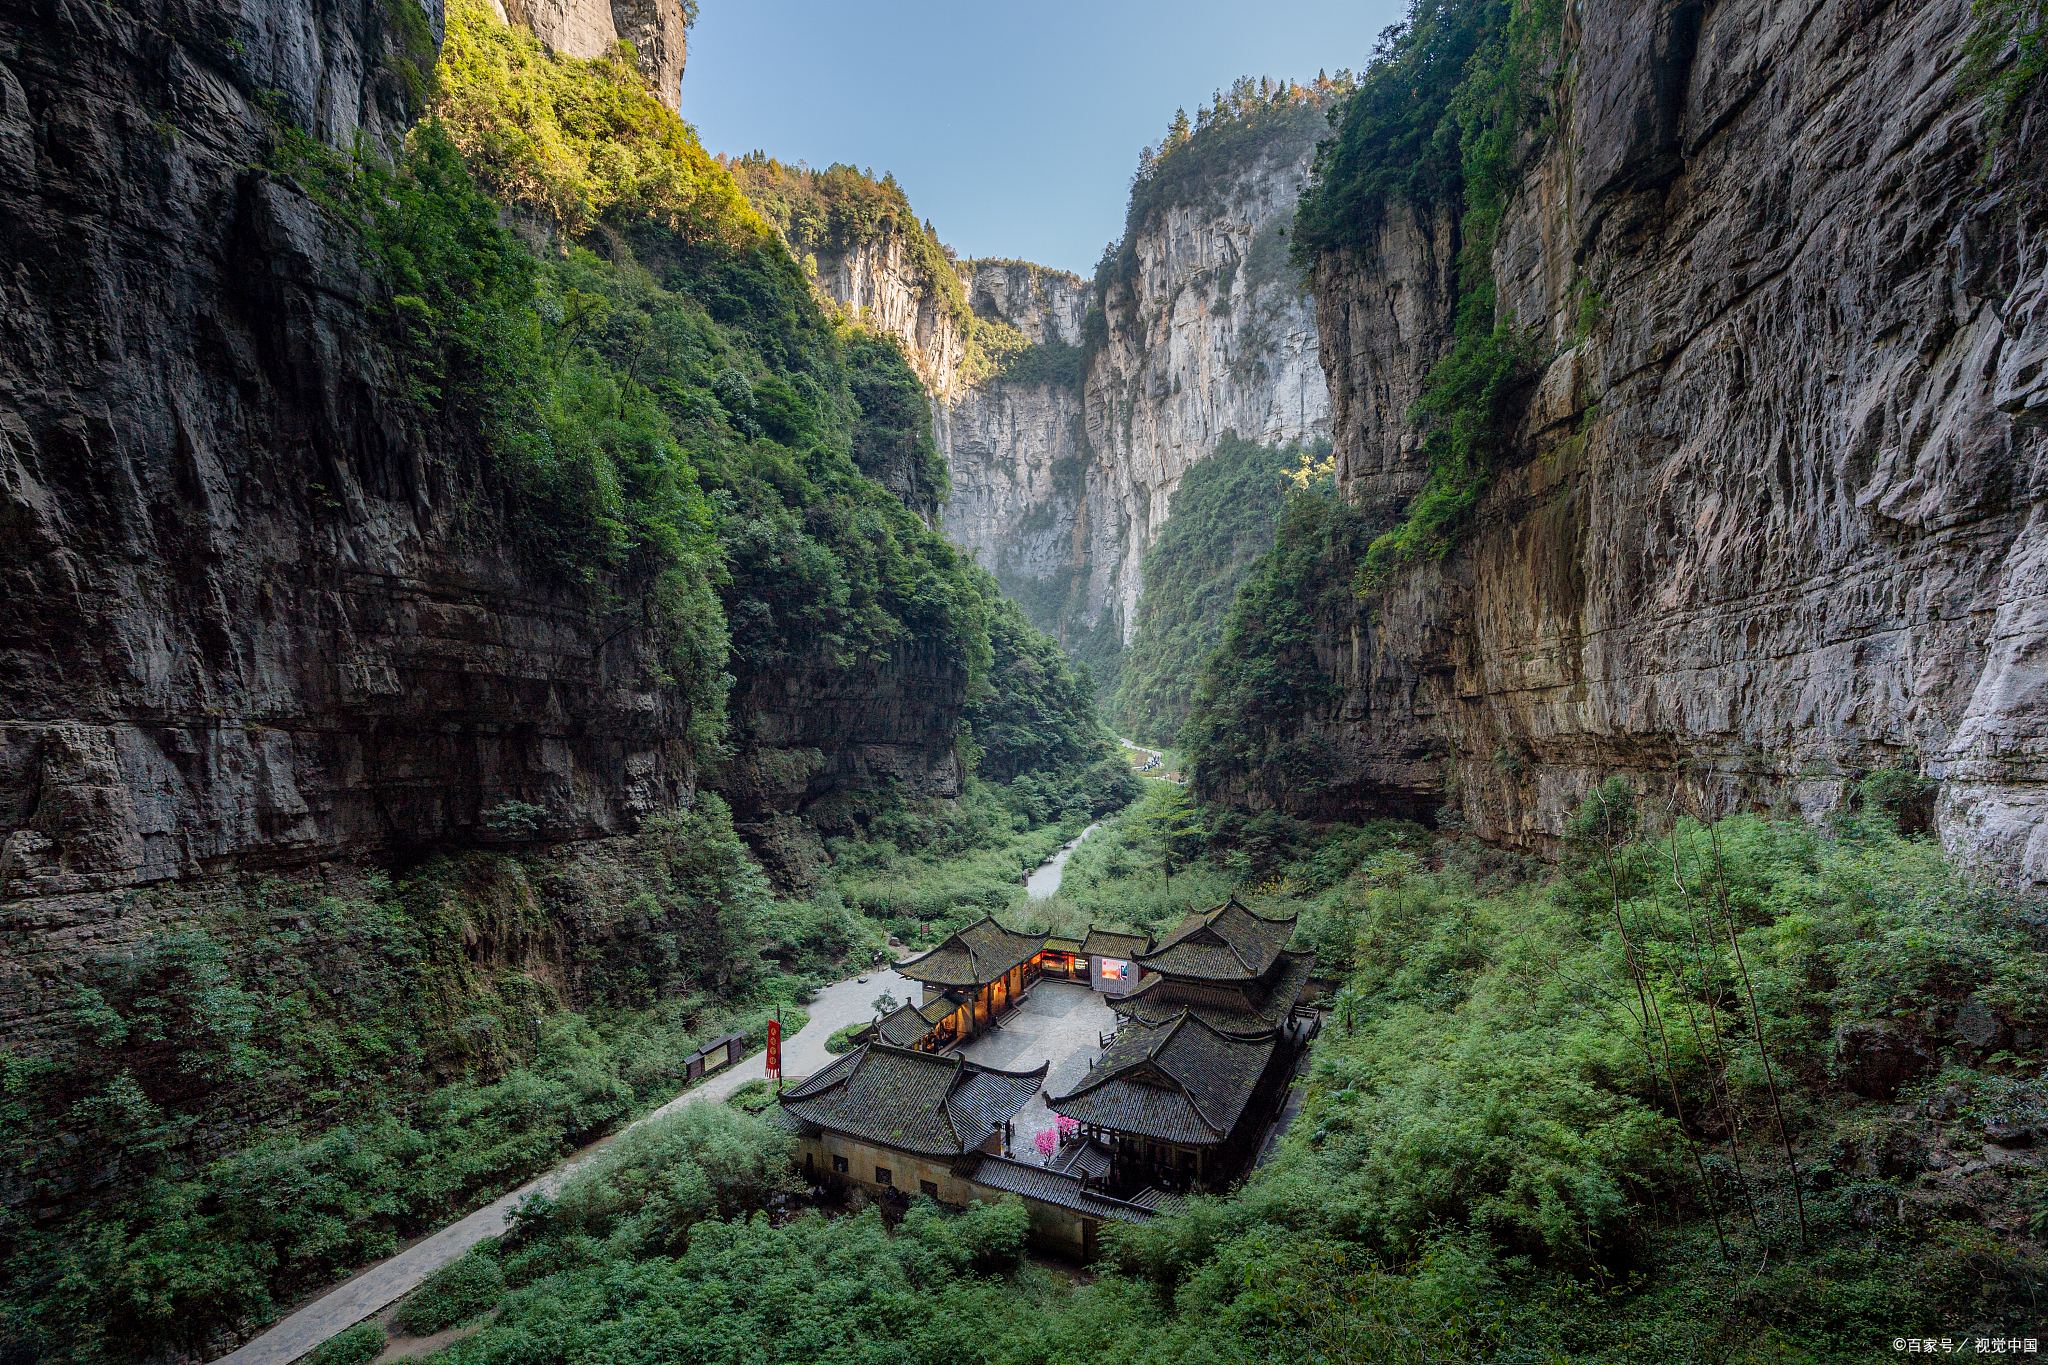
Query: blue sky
column 1013, row 128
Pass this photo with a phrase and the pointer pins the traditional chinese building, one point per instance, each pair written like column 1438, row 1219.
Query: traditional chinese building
column 898, row 1122
column 980, row 971
column 890, row 1118
column 1228, row 967
column 1175, row 1106
column 1113, row 968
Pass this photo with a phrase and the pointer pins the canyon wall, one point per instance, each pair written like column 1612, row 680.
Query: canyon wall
column 1214, row 333
column 260, row 611
column 1776, row 516
column 1061, row 481
column 1016, row 446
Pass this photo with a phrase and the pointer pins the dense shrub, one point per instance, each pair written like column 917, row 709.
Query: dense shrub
column 359, row 1345
column 455, row 1293
column 1222, row 519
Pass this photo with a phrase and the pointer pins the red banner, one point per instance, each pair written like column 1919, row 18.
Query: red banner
column 775, row 1049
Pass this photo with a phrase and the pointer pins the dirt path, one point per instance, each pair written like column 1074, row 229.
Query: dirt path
column 837, row 1005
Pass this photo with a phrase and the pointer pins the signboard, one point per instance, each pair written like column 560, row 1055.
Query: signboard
column 1115, row 969
column 775, row 1049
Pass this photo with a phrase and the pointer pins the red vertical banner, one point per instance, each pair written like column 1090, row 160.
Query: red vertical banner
column 775, row 1049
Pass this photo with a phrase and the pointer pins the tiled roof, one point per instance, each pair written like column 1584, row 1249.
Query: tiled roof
column 1063, row 945
column 937, row 1010
column 1239, row 1007
column 1053, row 1187
column 1178, row 1082
column 1084, row 1159
column 974, row 956
column 1228, row 943
column 904, row 1026
column 1159, row 1201
column 1109, row 943
column 913, row 1101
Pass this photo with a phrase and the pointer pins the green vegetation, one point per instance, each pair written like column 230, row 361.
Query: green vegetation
column 359, row 1345
column 298, row 1076
column 424, row 1076
column 840, row 208
column 1441, row 122
column 457, row 1292
column 1035, row 711
column 1542, row 1122
column 2004, row 56
column 1221, row 519
column 1253, row 724
column 842, row 1039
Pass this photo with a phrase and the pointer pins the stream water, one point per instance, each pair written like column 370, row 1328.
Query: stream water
column 1045, row 880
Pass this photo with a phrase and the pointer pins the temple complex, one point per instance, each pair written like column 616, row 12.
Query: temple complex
column 1178, row 1099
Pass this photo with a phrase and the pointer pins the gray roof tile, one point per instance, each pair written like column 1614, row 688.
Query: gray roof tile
column 1228, row 943
column 1245, row 1008
column 1053, row 1187
column 915, row 1101
column 974, row 956
column 1178, row 1082
column 1110, row 943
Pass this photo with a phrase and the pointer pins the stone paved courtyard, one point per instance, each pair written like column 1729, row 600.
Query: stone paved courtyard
column 1061, row 1023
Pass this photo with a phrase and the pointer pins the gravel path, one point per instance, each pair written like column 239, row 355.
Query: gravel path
column 837, row 1005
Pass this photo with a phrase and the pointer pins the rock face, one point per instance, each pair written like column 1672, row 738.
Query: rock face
column 878, row 282
column 1017, row 448
column 1777, row 518
column 1214, row 334
column 252, row 616
column 1060, row 485
column 657, row 29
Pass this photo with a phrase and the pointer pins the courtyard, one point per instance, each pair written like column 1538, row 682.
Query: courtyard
column 1060, row 1023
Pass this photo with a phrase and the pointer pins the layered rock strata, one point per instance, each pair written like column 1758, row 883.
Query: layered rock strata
column 1777, row 517
column 1061, row 485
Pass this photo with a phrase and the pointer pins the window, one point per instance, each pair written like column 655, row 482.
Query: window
column 883, row 1176
column 930, row 1187
column 839, row 1165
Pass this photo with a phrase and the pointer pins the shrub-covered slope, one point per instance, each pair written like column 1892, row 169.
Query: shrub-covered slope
column 1221, row 519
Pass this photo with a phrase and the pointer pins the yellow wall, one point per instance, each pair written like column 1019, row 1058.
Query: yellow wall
column 908, row 1170
column 1053, row 1229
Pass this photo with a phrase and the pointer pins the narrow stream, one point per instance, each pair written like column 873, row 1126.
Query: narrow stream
column 1045, row 880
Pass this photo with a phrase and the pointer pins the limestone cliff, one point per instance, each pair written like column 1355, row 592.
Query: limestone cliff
column 1015, row 443
column 657, row 29
column 1062, row 470
column 1776, row 518
column 259, row 610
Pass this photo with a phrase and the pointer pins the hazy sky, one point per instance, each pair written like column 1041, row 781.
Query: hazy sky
column 1013, row 128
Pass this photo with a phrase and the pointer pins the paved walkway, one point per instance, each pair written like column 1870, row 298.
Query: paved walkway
column 837, row 1005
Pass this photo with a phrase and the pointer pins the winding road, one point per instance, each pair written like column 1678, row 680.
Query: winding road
column 837, row 1005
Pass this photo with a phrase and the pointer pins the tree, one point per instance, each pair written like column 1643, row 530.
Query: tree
column 1172, row 827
